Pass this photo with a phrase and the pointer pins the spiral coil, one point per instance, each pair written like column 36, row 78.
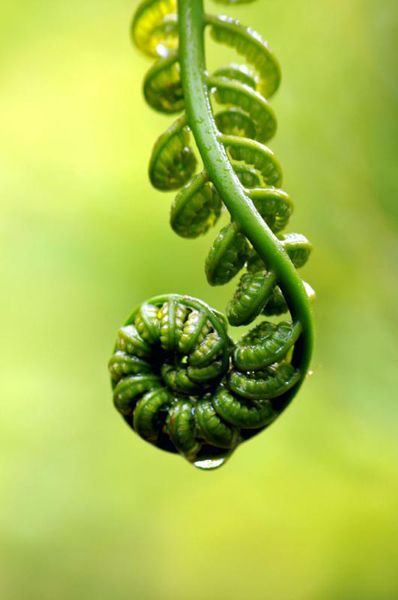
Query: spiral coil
column 178, row 379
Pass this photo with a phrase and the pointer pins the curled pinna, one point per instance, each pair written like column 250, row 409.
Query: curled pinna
column 179, row 381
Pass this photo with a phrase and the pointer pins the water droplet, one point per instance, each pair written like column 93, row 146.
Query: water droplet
column 209, row 463
column 310, row 373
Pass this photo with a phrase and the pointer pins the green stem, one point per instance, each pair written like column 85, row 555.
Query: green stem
column 217, row 164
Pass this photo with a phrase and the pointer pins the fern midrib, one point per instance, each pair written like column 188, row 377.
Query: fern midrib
column 218, row 166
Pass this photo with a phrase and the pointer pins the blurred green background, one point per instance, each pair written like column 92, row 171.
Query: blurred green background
column 306, row 511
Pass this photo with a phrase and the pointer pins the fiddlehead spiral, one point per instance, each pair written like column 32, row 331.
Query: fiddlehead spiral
column 169, row 358
column 178, row 379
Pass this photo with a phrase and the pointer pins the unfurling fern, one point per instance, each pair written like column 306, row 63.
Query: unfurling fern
column 178, row 380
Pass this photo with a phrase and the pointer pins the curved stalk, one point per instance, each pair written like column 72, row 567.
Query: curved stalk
column 192, row 22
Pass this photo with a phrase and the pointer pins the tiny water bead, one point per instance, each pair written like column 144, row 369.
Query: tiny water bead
column 210, row 464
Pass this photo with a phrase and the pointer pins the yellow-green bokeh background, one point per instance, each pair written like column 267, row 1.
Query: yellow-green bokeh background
column 306, row 511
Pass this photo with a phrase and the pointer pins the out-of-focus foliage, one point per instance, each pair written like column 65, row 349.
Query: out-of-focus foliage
column 306, row 511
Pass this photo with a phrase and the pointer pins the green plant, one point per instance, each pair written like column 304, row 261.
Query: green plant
column 178, row 379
